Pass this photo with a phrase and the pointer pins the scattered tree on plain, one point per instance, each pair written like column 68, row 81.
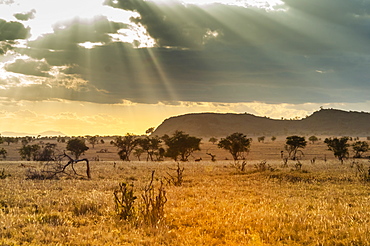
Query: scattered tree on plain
column 149, row 131
column 261, row 139
column 61, row 139
column 3, row 153
column 339, row 147
column 8, row 140
column 126, row 145
column 160, row 154
column 213, row 140
column 93, row 140
column 77, row 147
column 46, row 153
column 29, row 151
column 237, row 144
column 313, row 139
column 138, row 152
column 273, row 138
column 293, row 145
column 150, row 145
column 24, row 141
column 181, row 145
column 359, row 148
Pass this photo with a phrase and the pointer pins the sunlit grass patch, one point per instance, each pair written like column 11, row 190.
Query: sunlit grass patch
column 215, row 205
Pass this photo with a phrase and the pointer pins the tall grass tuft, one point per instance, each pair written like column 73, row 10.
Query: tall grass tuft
column 3, row 175
column 152, row 207
column 124, row 199
column 177, row 179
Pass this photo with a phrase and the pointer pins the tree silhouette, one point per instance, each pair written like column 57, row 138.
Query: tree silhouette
column 339, row 147
column 213, row 140
column 149, row 131
column 3, row 153
column 150, row 145
column 77, row 147
column 28, row 151
column 237, row 144
column 293, row 146
column 181, row 145
column 126, row 145
column 360, row 147
column 313, row 139
column 93, row 140
column 8, row 140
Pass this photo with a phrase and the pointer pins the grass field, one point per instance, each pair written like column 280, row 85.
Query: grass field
column 323, row 203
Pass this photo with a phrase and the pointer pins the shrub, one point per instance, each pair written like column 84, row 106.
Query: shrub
column 263, row 166
column 177, row 179
column 239, row 166
column 85, row 208
column 124, row 199
column 152, row 207
column 36, row 174
column 3, row 175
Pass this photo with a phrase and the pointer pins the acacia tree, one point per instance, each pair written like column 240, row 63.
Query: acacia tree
column 28, row 151
column 237, row 144
column 313, row 139
column 149, row 131
column 150, row 145
column 181, row 145
column 360, row 147
column 339, row 147
column 261, row 139
column 138, row 152
column 46, row 153
column 3, row 153
column 77, row 147
column 213, row 140
column 8, row 140
column 93, row 140
column 293, row 145
column 126, row 145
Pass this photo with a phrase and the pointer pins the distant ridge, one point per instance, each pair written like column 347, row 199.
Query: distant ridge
column 329, row 122
column 22, row 134
column 52, row 133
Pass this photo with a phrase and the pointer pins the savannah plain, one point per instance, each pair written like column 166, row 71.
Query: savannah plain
column 320, row 203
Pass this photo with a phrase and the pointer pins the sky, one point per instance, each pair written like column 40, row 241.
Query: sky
column 111, row 67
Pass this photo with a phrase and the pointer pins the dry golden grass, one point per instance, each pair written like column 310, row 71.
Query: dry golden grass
column 325, row 204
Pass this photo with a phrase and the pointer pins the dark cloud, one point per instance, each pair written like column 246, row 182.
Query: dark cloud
column 40, row 92
column 12, row 30
column 67, row 35
column 5, row 46
column 344, row 16
column 29, row 67
column 174, row 25
column 25, row 16
column 215, row 53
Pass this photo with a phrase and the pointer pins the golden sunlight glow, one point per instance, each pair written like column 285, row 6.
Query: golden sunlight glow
column 90, row 45
column 136, row 35
column 81, row 118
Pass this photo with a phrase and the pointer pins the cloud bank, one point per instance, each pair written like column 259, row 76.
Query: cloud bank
column 301, row 52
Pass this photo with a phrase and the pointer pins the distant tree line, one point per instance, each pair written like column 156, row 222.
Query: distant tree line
column 179, row 146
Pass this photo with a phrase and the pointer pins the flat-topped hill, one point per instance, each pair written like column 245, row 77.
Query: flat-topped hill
column 323, row 122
